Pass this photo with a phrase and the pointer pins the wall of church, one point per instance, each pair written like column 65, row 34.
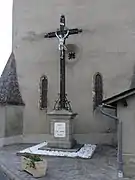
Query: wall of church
column 106, row 45
column 13, row 121
column 2, row 122
column 11, row 125
column 127, row 116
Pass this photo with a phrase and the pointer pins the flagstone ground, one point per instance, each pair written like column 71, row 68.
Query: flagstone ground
column 102, row 166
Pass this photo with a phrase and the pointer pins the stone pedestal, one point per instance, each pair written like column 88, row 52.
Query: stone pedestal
column 61, row 129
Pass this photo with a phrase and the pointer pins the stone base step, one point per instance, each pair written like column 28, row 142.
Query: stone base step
column 75, row 148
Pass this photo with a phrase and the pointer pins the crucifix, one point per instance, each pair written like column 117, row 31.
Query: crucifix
column 62, row 34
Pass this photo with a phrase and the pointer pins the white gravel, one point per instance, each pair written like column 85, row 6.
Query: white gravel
column 85, row 152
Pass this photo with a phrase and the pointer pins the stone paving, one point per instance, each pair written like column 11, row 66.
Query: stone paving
column 102, row 166
column 3, row 176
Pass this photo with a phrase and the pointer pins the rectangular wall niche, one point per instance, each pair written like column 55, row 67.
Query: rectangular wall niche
column 43, row 92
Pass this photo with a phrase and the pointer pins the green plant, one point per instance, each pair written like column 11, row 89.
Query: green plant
column 32, row 159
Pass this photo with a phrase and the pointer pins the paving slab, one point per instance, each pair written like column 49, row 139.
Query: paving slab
column 86, row 151
column 102, row 166
column 3, row 176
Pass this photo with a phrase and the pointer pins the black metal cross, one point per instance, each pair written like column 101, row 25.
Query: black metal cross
column 62, row 34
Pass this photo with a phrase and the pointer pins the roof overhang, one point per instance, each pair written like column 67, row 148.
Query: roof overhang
column 121, row 97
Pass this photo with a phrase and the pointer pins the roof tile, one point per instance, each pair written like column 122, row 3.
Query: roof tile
column 9, row 86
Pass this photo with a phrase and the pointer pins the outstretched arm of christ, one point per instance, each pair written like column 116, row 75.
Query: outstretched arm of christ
column 57, row 35
column 71, row 31
column 60, row 37
column 66, row 34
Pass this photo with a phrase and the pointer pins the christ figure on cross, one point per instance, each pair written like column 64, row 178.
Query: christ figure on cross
column 62, row 34
column 61, row 42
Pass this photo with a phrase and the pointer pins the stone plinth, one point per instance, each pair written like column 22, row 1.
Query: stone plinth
column 61, row 129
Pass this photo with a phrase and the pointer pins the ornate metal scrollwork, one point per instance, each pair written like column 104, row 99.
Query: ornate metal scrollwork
column 57, row 105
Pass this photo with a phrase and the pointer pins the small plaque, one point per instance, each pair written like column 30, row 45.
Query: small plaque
column 59, row 130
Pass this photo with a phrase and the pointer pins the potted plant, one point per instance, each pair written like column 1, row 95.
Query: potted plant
column 34, row 164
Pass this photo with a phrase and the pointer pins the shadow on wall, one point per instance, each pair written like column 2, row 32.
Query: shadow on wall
column 75, row 49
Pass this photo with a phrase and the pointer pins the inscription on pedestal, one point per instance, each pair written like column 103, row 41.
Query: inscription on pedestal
column 59, row 129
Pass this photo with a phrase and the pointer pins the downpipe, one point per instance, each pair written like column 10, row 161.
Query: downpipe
column 119, row 153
